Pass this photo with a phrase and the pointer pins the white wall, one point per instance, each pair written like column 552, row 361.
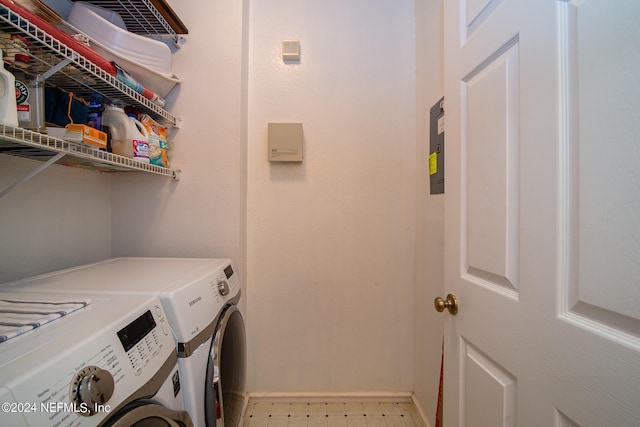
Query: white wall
column 203, row 214
column 330, row 244
column 59, row 218
column 430, row 211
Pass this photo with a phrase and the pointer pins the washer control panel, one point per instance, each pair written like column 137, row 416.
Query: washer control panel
column 141, row 339
column 91, row 387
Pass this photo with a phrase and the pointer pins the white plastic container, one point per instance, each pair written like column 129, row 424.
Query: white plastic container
column 8, row 107
column 129, row 137
column 139, row 140
column 147, row 60
column 118, row 123
column 107, row 27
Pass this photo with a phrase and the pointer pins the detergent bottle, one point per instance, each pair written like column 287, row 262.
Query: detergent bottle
column 117, row 121
column 8, row 106
column 139, row 140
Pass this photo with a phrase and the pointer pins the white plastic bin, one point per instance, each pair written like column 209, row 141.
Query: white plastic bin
column 107, row 28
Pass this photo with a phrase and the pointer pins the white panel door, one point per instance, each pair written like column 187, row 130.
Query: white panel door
column 542, row 240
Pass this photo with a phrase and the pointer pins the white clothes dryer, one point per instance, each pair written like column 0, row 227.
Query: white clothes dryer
column 200, row 297
column 109, row 363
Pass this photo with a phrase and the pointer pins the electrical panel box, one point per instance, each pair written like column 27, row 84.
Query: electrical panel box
column 285, row 142
column 436, row 148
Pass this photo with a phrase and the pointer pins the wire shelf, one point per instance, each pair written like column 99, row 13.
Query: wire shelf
column 143, row 17
column 65, row 68
column 74, row 72
column 25, row 143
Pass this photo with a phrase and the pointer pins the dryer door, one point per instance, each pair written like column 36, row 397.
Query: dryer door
column 148, row 413
column 225, row 386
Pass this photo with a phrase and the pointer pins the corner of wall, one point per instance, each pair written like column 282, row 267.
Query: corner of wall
column 429, row 271
column 420, row 409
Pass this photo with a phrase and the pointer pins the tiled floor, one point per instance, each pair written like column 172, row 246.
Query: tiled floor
column 349, row 414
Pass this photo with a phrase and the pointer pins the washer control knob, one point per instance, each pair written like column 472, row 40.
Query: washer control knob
column 92, row 386
column 223, row 287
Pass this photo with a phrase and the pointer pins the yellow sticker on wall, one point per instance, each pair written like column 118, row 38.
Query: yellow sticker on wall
column 433, row 163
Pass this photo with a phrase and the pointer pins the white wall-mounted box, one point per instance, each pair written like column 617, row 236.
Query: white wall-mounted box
column 290, row 50
column 285, row 142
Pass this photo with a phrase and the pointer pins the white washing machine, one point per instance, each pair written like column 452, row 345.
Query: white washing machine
column 200, row 297
column 109, row 363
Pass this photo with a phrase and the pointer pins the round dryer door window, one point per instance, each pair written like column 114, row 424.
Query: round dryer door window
column 226, row 372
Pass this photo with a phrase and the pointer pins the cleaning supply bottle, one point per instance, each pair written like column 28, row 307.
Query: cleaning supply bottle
column 30, row 95
column 96, row 107
column 139, row 140
column 117, row 121
column 8, row 106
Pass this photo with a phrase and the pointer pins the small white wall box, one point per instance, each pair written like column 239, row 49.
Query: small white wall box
column 290, row 50
column 285, row 142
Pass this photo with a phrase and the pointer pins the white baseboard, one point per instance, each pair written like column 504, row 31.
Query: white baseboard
column 356, row 396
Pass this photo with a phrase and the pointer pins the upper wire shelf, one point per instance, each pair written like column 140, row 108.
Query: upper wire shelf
column 64, row 67
column 73, row 72
column 147, row 17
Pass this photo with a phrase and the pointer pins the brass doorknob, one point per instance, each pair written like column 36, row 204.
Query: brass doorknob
column 451, row 304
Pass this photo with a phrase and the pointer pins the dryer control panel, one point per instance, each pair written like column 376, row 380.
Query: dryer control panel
column 227, row 284
column 232, row 278
column 195, row 299
column 227, row 281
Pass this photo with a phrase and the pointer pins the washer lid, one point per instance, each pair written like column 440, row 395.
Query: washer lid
column 23, row 313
